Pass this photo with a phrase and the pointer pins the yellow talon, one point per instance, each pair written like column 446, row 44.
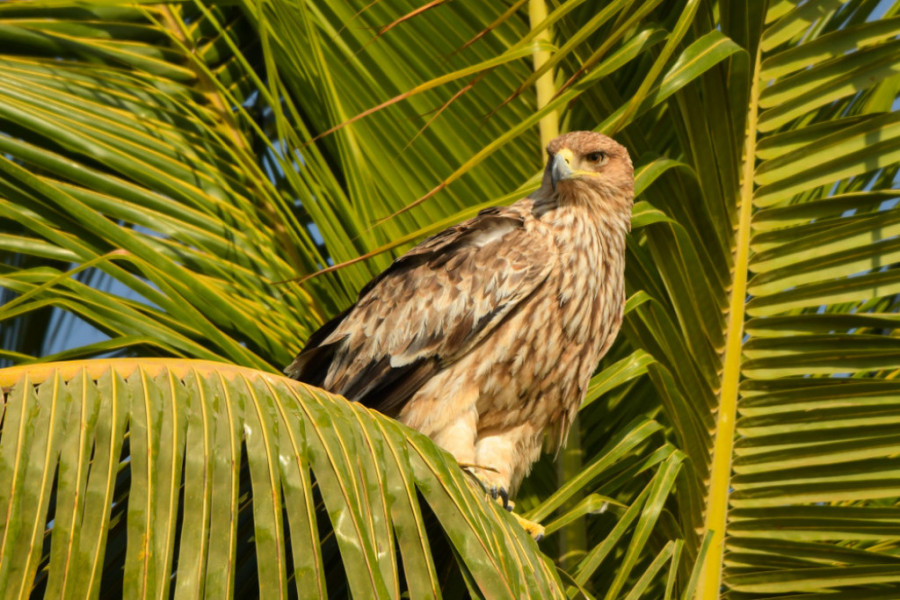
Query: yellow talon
column 500, row 496
column 533, row 528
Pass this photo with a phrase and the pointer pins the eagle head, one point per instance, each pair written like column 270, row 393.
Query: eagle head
column 585, row 164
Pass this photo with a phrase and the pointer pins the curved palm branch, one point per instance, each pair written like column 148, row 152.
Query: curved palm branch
column 181, row 473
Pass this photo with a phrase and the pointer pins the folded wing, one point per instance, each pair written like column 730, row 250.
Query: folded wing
column 428, row 309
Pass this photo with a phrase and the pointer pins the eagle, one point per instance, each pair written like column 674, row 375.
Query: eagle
column 485, row 336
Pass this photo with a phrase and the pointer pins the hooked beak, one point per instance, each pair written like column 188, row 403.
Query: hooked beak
column 560, row 169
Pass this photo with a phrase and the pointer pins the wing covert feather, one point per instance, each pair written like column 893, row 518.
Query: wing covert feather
column 429, row 308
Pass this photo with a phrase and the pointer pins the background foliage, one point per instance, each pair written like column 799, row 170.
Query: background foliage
column 167, row 169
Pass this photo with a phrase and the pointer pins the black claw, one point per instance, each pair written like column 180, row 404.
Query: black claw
column 494, row 491
column 503, row 495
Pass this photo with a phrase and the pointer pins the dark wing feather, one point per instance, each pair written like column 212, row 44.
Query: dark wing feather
column 386, row 388
column 311, row 365
column 429, row 308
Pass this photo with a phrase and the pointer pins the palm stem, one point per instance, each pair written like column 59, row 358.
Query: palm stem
column 723, row 448
column 544, row 86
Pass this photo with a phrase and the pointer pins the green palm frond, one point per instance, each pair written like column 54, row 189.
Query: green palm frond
column 166, row 168
column 191, row 440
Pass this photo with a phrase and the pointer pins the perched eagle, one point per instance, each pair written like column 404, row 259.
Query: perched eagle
column 485, row 336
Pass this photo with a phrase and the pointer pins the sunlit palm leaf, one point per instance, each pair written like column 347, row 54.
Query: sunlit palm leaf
column 183, row 437
column 797, row 255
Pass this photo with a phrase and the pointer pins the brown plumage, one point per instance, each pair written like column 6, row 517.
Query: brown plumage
column 485, row 335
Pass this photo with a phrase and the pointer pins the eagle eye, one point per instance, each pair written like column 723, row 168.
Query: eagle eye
column 595, row 157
